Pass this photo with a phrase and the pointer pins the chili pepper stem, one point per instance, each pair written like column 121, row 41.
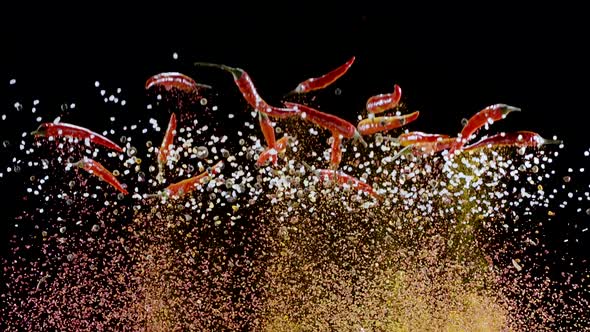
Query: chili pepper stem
column 204, row 86
column 545, row 141
column 236, row 72
column 38, row 131
column 79, row 163
column 358, row 138
column 509, row 109
column 209, row 64
column 404, row 151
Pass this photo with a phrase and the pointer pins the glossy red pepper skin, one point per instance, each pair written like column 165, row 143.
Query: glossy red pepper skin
column 427, row 147
column 480, row 119
column 272, row 153
column 250, row 94
column 97, row 169
column 168, row 140
column 384, row 102
column 69, row 130
column 414, row 137
column 385, row 123
column 327, row 121
column 515, row 139
column 336, row 152
column 317, row 83
column 188, row 185
column 269, row 134
column 434, row 147
column 267, row 129
column 174, row 80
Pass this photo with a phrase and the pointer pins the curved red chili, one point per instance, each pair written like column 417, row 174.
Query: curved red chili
column 434, row 147
column 381, row 103
column 174, row 80
column 269, row 133
column 281, row 112
column 168, row 140
column 385, row 123
column 267, row 130
column 342, row 178
column 414, row 137
column 96, row 168
column 516, row 139
column 164, row 150
column 427, row 147
column 323, row 81
column 486, row 116
column 336, row 152
column 327, row 121
column 248, row 90
column 69, row 130
column 188, row 185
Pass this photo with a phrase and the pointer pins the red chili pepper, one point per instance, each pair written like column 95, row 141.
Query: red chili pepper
column 385, row 123
column 336, row 155
column 323, row 81
column 414, row 137
column 381, row 103
column 434, row 147
column 267, row 130
column 269, row 134
column 248, row 90
column 70, row 130
column 486, row 116
column 95, row 168
column 327, row 121
column 271, row 153
column 428, row 147
column 342, row 178
column 164, row 150
column 168, row 140
column 173, row 80
column 517, row 139
column 186, row 186
column 281, row 112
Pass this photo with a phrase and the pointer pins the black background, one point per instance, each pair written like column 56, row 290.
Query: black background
column 451, row 61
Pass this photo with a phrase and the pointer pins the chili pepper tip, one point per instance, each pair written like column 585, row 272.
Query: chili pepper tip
column 204, row 86
column 291, row 93
column 507, row 109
